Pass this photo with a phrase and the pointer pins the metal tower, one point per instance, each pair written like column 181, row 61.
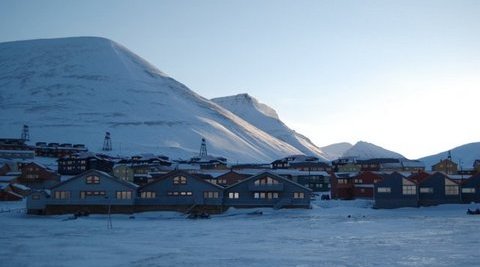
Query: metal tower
column 25, row 133
column 203, row 149
column 107, row 142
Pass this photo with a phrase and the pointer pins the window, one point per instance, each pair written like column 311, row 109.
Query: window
column 384, row 190
column 358, row 181
column 180, row 180
column 298, row 195
column 210, row 194
column 265, row 181
column 233, row 195
column 93, row 180
column 342, row 181
column 36, row 197
column 182, row 193
column 85, row 194
column 148, row 194
column 409, row 190
column 468, row 190
column 62, row 195
column 451, row 190
column 426, row 189
column 124, row 194
column 265, row 195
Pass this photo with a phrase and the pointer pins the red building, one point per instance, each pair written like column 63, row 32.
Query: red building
column 37, row 176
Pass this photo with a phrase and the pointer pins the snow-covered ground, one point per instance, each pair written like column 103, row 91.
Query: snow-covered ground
column 323, row 236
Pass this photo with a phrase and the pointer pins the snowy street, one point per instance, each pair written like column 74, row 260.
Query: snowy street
column 333, row 233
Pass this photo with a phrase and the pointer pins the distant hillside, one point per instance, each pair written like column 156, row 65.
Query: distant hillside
column 364, row 150
column 335, row 151
column 465, row 155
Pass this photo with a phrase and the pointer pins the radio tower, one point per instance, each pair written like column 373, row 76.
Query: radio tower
column 203, row 149
column 107, row 142
column 25, row 133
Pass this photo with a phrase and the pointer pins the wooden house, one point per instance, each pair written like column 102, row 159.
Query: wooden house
column 364, row 184
column 267, row 190
column 437, row 189
column 375, row 164
column 317, row 181
column 230, row 178
column 92, row 191
column 348, row 167
column 7, row 193
column 38, row 176
column 180, row 191
column 395, row 191
column 124, row 172
column 446, row 166
column 342, row 186
column 79, row 163
column 471, row 189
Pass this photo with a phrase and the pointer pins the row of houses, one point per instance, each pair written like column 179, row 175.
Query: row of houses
column 98, row 192
column 395, row 191
column 18, row 149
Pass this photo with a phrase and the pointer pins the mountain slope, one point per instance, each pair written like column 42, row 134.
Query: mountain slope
column 364, row 150
column 266, row 119
column 74, row 89
column 335, row 151
column 464, row 154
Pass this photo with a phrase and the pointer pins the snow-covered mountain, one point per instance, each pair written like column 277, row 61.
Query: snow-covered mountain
column 335, row 151
column 364, row 150
column 266, row 119
column 465, row 155
column 75, row 89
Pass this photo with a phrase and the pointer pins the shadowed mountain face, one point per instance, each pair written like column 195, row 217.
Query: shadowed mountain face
column 75, row 89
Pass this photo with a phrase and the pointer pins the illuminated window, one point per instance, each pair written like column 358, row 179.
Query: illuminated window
column 62, row 195
column 233, row 195
column 124, row 195
column 451, row 190
column 93, row 180
column 426, row 190
column 180, row 180
column 210, row 194
column 468, row 190
column 409, row 190
column 298, row 195
column 384, row 190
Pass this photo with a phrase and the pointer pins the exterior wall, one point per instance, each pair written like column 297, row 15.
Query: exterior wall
column 341, row 187
column 285, row 189
column 36, row 202
column 165, row 188
column 437, row 182
column 17, row 154
column 396, row 197
column 108, row 184
column 349, row 167
column 472, row 183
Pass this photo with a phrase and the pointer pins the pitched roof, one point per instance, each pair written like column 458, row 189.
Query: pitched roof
column 93, row 171
column 269, row 174
column 179, row 173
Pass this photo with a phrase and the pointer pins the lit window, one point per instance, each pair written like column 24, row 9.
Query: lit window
column 180, row 180
column 426, row 190
column 148, row 194
column 124, row 195
column 93, row 180
column 298, row 195
column 384, row 190
column 210, row 194
column 409, row 190
column 62, row 195
column 468, row 190
column 451, row 190
column 233, row 195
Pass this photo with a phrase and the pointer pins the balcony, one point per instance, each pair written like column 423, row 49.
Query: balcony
column 266, row 187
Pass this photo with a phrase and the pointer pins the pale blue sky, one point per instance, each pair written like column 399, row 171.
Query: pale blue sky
column 401, row 74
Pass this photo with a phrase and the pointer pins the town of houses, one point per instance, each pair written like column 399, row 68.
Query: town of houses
column 97, row 183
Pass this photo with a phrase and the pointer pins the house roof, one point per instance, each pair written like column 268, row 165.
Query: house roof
column 179, row 173
column 100, row 173
column 438, row 175
column 267, row 174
